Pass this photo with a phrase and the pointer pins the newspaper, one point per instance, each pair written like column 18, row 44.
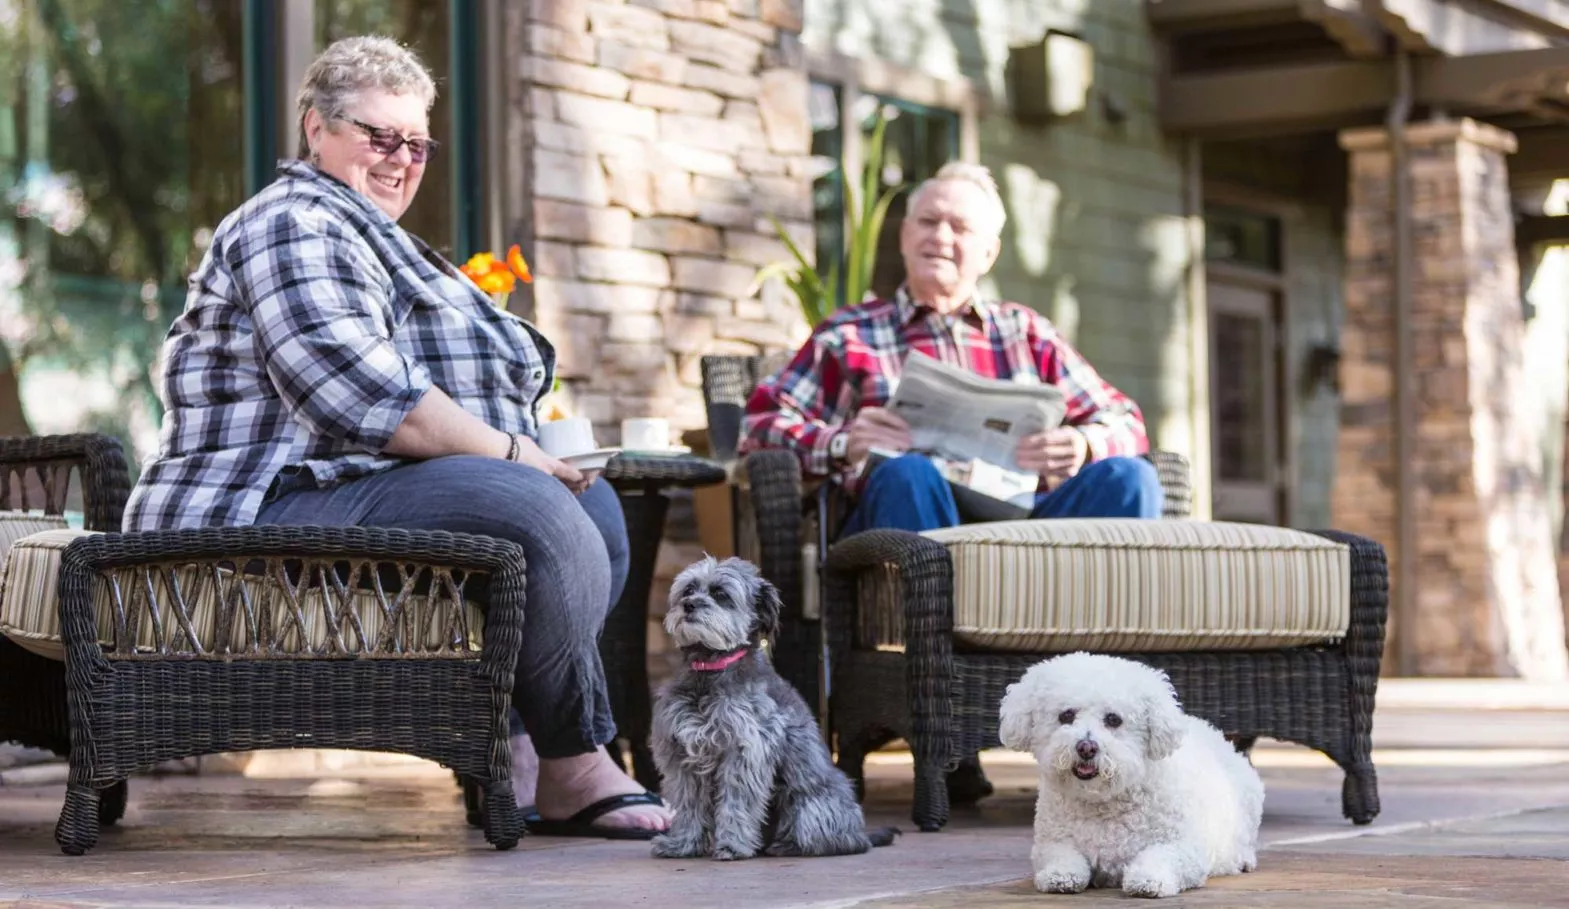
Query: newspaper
column 971, row 426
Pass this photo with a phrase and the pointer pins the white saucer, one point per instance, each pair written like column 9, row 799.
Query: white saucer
column 592, row 460
column 670, row 452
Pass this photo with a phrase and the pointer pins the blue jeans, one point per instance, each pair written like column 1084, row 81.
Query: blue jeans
column 907, row 493
column 577, row 553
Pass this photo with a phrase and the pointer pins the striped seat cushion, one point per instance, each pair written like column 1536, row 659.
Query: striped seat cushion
column 30, row 608
column 1140, row 586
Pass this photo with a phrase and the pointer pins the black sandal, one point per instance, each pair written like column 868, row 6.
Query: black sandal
column 582, row 823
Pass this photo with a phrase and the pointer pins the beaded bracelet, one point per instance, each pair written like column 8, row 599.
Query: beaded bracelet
column 512, row 447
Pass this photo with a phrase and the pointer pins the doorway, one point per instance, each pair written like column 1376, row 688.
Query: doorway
column 1246, row 296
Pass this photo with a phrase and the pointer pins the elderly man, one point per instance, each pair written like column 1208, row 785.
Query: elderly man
column 827, row 405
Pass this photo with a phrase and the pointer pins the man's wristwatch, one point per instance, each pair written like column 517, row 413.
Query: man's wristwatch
column 839, row 447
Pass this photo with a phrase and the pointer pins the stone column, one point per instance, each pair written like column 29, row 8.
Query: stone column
column 658, row 138
column 1486, row 601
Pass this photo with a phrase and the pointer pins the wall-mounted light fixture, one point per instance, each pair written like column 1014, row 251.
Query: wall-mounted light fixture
column 1051, row 78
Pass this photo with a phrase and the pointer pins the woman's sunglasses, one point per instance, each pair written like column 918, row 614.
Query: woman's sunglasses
column 387, row 141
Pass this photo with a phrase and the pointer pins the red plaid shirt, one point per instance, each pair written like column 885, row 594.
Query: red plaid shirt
column 854, row 355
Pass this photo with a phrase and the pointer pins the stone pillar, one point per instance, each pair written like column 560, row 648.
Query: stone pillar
column 658, row 138
column 655, row 140
column 1486, row 601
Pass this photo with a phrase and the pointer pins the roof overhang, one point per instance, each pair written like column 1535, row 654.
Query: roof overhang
column 1253, row 68
column 1282, row 99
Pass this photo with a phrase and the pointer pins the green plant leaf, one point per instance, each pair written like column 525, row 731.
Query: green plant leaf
column 866, row 210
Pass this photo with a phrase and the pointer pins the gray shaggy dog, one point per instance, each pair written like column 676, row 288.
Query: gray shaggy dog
column 744, row 767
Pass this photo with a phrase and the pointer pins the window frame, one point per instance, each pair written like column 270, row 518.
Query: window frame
column 856, row 77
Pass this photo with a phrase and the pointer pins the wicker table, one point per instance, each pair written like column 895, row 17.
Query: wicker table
column 641, row 481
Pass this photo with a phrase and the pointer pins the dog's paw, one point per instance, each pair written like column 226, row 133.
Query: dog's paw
column 666, row 846
column 732, row 853
column 1150, row 885
column 1060, row 880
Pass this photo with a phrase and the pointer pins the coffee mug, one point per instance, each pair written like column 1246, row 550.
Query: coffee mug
column 566, row 437
column 645, row 434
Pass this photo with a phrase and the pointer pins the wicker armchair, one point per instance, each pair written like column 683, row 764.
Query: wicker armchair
column 777, row 512
column 191, row 642
column 36, row 477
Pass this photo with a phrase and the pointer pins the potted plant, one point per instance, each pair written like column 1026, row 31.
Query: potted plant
column 865, row 210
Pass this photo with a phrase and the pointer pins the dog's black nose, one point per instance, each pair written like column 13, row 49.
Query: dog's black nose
column 1087, row 750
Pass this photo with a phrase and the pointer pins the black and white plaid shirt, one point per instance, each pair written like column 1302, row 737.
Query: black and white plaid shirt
column 313, row 325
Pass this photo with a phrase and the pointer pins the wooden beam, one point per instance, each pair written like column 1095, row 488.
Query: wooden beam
column 1535, row 230
column 1176, row 16
column 1273, row 100
column 1501, row 81
column 1347, row 22
column 1543, row 153
column 1269, row 101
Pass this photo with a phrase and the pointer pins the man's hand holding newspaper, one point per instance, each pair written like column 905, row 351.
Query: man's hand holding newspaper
column 994, row 436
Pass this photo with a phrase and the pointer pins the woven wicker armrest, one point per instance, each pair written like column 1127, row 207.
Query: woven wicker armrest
column 1176, row 479
column 34, row 464
column 926, row 583
column 1364, row 643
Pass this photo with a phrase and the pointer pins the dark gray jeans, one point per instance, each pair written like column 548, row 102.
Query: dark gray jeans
column 576, row 548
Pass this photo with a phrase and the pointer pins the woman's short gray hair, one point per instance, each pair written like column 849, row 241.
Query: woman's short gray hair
column 350, row 66
column 974, row 174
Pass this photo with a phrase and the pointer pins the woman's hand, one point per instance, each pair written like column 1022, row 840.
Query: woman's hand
column 531, row 454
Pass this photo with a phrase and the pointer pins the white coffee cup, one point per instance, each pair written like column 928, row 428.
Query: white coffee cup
column 645, row 434
column 566, row 437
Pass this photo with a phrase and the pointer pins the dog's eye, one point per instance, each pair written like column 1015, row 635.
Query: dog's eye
column 1066, row 717
column 1113, row 721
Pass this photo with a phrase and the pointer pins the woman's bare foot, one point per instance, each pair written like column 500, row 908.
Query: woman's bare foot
column 568, row 785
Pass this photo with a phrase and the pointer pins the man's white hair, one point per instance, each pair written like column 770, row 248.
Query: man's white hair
column 975, row 174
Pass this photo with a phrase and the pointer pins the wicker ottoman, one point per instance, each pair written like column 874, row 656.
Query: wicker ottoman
column 1265, row 631
column 182, row 643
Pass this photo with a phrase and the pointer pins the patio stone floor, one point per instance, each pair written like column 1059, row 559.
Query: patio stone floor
column 1463, row 827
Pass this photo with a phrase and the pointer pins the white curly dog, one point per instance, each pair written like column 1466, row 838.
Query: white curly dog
column 1133, row 792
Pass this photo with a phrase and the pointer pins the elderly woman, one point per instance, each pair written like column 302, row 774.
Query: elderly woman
column 330, row 368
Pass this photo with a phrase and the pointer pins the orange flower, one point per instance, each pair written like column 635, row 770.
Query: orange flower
column 495, row 277
column 518, row 266
column 480, row 265
column 497, row 282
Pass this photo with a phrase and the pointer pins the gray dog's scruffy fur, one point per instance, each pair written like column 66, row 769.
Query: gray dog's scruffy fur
column 744, row 767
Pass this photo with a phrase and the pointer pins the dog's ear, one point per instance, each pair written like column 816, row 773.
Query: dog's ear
column 1163, row 726
column 1016, row 718
column 767, row 604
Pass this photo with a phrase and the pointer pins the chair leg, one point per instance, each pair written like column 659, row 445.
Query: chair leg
column 77, row 830
column 503, row 821
column 967, row 784
column 1359, row 793
column 111, row 803
column 930, row 811
column 852, row 761
column 473, row 803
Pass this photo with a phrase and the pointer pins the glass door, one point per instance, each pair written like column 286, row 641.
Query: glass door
column 1245, row 406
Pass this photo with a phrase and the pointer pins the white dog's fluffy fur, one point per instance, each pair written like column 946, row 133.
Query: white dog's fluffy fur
column 1133, row 792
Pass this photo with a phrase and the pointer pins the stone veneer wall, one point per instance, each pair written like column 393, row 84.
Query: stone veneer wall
column 1486, row 600
column 655, row 140
column 658, row 138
